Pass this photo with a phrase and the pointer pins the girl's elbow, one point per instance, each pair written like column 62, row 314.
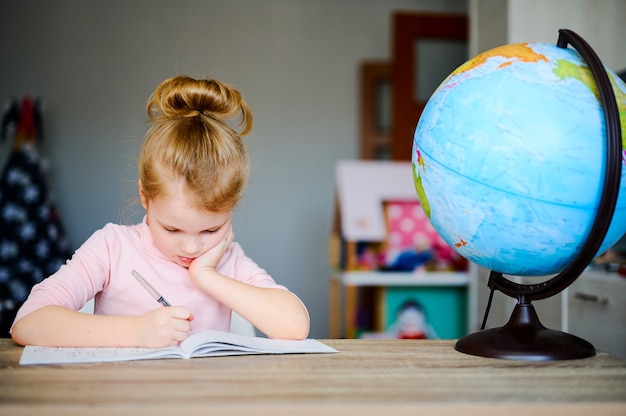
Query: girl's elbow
column 299, row 333
column 301, row 329
column 296, row 330
column 16, row 334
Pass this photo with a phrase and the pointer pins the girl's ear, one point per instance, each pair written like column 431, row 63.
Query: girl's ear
column 142, row 195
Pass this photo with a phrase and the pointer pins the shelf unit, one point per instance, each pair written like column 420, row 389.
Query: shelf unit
column 346, row 288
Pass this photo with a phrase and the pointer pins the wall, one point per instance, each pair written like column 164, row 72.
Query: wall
column 599, row 22
column 94, row 63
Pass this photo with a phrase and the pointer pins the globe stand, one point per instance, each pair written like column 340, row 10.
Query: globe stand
column 523, row 337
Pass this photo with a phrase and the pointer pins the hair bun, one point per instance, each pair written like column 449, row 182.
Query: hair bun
column 184, row 97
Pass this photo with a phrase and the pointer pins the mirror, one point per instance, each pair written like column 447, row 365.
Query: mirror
column 426, row 48
column 435, row 59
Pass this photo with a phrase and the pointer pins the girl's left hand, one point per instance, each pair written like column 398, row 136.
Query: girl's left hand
column 211, row 258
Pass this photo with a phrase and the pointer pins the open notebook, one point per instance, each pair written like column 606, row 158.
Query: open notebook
column 204, row 343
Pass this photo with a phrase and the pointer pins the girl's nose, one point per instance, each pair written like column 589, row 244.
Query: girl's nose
column 191, row 245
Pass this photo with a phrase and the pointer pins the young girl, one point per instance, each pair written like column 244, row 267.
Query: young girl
column 193, row 168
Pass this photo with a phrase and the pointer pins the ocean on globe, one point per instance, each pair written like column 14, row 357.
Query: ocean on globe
column 509, row 158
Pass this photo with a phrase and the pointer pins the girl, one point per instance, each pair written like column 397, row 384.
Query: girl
column 193, row 168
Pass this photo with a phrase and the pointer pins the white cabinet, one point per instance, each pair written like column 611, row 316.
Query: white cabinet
column 596, row 304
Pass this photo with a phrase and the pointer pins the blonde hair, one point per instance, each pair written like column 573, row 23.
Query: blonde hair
column 191, row 141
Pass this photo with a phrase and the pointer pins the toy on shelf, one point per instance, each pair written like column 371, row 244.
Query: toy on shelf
column 380, row 225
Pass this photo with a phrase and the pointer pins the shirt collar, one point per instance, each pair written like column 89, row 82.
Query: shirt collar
column 146, row 240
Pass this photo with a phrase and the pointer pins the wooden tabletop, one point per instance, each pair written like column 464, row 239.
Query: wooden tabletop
column 389, row 377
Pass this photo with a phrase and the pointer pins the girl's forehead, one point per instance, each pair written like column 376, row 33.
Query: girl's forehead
column 180, row 214
column 176, row 206
column 177, row 191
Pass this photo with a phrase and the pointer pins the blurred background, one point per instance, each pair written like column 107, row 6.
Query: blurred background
column 94, row 63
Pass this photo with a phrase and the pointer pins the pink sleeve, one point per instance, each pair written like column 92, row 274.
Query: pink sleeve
column 76, row 282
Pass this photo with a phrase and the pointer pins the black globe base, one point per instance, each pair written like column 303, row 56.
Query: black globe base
column 525, row 338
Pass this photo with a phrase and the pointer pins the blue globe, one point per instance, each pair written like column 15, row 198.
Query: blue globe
column 509, row 157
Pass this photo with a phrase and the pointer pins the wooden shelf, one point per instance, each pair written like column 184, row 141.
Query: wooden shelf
column 378, row 278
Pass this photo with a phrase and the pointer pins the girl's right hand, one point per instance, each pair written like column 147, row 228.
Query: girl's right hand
column 163, row 326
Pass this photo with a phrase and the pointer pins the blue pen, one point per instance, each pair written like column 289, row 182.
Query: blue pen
column 150, row 289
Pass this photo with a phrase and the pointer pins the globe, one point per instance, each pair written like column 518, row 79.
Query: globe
column 509, row 158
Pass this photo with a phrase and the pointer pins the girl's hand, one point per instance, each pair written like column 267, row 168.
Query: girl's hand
column 211, row 258
column 164, row 326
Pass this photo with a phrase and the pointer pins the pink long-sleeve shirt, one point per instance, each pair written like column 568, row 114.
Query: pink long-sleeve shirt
column 102, row 266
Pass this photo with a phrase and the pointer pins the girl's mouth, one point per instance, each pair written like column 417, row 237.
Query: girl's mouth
column 185, row 260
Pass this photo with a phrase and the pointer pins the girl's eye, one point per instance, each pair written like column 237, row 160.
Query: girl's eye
column 211, row 231
column 170, row 230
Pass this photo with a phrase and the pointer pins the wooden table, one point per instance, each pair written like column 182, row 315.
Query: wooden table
column 391, row 377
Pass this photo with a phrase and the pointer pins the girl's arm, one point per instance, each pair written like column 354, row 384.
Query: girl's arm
column 276, row 312
column 62, row 327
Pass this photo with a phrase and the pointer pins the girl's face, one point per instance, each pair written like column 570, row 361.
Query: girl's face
column 179, row 229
